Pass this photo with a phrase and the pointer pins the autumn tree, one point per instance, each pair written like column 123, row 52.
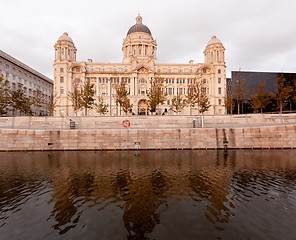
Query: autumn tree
column 284, row 92
column 38, row 99
column 156, row 94
column 101, row 107
column 197, row 95
column 178, row 103
column 240, row 93
column 261, row 98
column 122, row 97
column 229, row 102
column 191, row 96
column 75, row 98
column 20, row 102
column 87, row 96
column 52, row 103
column 4, row 95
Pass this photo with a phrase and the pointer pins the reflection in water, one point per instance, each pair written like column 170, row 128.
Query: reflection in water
column 148, row 195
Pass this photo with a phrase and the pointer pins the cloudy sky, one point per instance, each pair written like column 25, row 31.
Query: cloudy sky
column 259, row 35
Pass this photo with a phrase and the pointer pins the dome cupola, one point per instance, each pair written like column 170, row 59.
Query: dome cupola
column 139, row 27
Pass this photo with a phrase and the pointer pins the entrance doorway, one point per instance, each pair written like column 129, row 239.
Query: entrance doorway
column 143, row 107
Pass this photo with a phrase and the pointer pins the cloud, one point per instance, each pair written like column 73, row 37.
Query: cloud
column 258, row 35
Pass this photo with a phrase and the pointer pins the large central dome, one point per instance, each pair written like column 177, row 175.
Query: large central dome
column 139, row 27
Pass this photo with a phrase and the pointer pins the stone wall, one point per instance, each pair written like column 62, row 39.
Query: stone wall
column 283, row 136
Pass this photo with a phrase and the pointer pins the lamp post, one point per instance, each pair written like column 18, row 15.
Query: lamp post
column 110, row 92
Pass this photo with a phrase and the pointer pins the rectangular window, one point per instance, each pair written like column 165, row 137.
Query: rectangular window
column 219, row 71
column 220, row 102
column 61, row 90
column 77, row 69
column 219, row 80
column 61, row 69
column 61, row 79
column 219, row 90
column 168, row 102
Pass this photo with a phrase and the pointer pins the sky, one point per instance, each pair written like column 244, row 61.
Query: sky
column 259, row 35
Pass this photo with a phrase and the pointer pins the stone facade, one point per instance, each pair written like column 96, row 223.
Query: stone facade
column 138, row 68
column 23, row 77
column 283, row 136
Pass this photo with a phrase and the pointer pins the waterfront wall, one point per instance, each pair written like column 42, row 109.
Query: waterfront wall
column 282, row 136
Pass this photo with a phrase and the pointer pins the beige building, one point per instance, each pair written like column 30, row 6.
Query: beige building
column 21, row 76
column 139, row 66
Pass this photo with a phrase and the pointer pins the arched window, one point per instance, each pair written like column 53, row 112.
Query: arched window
column 169, row 70
column 204, row 70
column 114, row 69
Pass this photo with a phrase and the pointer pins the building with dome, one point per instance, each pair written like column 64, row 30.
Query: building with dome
column 138, row 68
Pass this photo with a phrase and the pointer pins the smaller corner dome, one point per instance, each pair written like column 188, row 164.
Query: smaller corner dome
column 214, row 40
column 65, row 37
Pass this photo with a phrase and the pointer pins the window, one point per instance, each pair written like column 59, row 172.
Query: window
column 61, row 90
column 220, row 102
column 61, row 79
column 205, row 81
column 158, row 70
column 168, row 102
column 219, row 71
column 125, row 69
column 7, row 74
column 219, row 80
column 204, row 71
column 219, row 90
column 13, row 77
column 77, row 69
column 180, row 70
column 103, row 69
column 170, row 91
column 114, row 69
column 180, row 90
column 190, row 70
column 61, row 69
column 139, row 51
column 169, row 70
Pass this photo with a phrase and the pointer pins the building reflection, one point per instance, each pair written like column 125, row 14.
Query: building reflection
column 142, row 184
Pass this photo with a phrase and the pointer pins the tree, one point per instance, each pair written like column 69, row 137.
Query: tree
column 260, row 99
column 178, row 103
column 284, row 92
column 38, row 99
column 4, row 95
column 20, row 102
column 52, row 103
column 87, row 96
column 241, row 93
column 229, row 102
column 191, row 96
column 101, row 107
column 76, row 98
column 122, row 97
column 156, row 94
column 197, row 95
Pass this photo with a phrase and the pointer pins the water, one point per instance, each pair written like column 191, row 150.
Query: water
column 245, row 194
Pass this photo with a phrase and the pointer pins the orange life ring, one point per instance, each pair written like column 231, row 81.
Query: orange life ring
column 126, row 123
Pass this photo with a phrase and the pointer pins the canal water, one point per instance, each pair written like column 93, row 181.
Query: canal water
column 235, row 194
